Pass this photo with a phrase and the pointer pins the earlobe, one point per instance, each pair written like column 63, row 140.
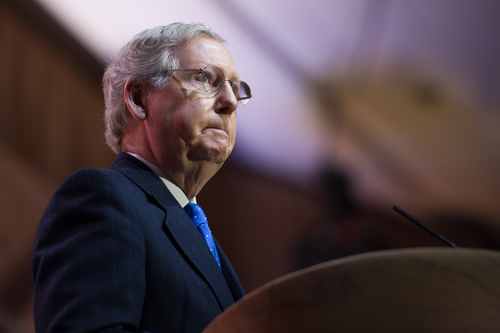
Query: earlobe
column 133, row 95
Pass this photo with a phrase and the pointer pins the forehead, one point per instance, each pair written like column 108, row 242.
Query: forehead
column 204, row 51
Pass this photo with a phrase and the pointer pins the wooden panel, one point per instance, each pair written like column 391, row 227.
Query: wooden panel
column 53, row 103
column 51, row 125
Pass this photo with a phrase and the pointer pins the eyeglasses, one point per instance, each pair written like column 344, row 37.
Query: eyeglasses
column 211, row 79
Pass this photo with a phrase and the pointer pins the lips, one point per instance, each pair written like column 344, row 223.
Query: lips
column 218, row 127
column 217, row 130
column 215, row 127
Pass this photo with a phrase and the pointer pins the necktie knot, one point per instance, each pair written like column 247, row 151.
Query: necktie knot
column 195, row 213
column 200, row 221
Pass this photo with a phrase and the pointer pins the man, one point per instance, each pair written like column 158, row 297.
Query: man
column 115, row 251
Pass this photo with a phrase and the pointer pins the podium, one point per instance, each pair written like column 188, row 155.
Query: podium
column 412, row 290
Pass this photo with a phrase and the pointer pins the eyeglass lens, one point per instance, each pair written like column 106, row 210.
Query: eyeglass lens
column 213, row 80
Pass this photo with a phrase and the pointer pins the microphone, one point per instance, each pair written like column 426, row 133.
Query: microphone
column 426, row 228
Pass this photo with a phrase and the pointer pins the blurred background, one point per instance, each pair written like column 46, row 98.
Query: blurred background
column 358, row 105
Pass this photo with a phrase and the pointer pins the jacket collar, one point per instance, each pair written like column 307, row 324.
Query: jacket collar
column 145, row 178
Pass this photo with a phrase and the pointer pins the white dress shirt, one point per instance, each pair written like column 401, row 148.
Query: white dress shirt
column 176, row 191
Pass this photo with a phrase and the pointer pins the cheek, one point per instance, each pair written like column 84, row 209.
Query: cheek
column 233, row 129
column 233, row 125
column 185, row 125
column 233, row 122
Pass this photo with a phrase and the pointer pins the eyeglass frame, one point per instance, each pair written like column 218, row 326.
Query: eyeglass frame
column 222, row 85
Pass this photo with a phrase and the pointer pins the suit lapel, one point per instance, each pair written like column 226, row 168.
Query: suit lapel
column 192, row 243
column 178, row 224
column 229, row 274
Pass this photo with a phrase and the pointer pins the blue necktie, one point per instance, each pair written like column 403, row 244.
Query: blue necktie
column 200, row 221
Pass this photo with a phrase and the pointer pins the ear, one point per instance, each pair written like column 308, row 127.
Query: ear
column 134, row 99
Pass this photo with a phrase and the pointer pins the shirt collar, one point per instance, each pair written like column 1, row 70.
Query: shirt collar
column 176, row 191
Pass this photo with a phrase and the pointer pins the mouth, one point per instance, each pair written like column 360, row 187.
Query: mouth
column 216, row 130
column 216, row 127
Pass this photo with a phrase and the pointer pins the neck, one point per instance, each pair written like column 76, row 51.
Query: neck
column 189, row 176
column 193, row 177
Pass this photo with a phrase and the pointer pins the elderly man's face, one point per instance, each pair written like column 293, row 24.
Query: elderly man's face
column 185, row 125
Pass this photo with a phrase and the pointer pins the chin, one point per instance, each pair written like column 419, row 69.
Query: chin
column 217, row 156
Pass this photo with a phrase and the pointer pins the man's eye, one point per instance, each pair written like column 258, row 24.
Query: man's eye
column 202, row 77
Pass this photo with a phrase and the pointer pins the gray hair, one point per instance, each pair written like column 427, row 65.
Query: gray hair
column 147, row 58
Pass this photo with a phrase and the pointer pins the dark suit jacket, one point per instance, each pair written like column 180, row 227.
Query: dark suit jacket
column 115, row 252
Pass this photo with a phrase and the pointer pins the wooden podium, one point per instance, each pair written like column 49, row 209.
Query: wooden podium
column 414, row 290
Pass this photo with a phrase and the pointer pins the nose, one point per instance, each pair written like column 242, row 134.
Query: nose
column 226, row 99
